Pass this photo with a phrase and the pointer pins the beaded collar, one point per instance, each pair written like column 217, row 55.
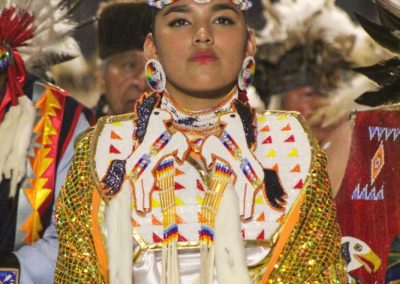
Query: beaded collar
column 188, row 120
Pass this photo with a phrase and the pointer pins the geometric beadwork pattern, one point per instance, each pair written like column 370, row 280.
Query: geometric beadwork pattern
column 364, row 193
column 377, row 163
column 42, row 162
column 385, row 133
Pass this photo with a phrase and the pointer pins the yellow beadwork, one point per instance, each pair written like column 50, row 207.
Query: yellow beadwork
column 216, row 185
column 166, row 185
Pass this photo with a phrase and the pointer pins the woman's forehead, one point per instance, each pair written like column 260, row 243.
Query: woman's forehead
column 241, row 4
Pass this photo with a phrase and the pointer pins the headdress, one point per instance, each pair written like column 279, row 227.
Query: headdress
column 313, row 43
column 33, row 36
column 386, row 74
column 242, row 4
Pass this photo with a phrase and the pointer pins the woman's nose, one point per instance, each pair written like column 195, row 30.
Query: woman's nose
column 203, row 35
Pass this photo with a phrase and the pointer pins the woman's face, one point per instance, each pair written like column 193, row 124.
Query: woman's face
column 200, row 46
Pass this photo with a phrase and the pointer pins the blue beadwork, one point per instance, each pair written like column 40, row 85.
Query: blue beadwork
column 207, row 231
column 143, row 111
column 114, row 176
column 173, row 229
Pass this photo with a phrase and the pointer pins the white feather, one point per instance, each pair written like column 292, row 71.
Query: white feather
column 289, row 17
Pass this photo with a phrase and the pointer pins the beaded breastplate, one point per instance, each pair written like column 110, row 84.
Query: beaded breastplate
column 178, row 164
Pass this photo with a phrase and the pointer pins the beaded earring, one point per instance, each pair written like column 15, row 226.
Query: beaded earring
column 155, row 75
column 246, row 74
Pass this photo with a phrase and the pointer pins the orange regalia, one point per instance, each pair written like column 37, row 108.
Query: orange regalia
column 196, row 194
column 53, row 128
column 35, row 128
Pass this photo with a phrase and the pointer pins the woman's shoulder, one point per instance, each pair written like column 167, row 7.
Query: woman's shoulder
column 281, row 115
column 111, row 139
column 283, row 124
column 285, row 144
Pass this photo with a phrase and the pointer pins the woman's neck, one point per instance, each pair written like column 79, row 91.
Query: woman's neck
column 198, row 101
column 196, row 118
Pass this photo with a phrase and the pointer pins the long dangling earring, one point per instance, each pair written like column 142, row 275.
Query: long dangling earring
column 246, row 74
column 155, row 75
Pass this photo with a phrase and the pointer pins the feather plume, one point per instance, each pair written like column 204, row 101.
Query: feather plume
column 39, row 31
column 289, row 19
column 388, row 19
column 390, row 5
column 51, row 42
column 386, row 74
column 385, row 95
column 320, row 44
column 383, row 35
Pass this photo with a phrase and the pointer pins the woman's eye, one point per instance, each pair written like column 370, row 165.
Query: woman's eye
column 224, row 21
column 178, row 23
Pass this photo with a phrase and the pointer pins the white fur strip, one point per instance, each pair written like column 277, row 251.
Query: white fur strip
column 119, row 236
column 7, row 135
column 15, row 167
column 230, row 258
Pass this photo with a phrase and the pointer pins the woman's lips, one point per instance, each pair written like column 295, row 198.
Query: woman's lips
column 203, row 57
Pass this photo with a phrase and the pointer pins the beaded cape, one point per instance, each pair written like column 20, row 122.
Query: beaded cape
column 302, row 238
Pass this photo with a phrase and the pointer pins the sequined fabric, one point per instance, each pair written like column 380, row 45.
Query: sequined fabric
column 312, row 253
column 77, row 260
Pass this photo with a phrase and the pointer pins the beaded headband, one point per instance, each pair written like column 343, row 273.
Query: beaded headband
column 241, row 4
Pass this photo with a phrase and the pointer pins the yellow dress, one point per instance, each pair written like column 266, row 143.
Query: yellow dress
column 300, row 241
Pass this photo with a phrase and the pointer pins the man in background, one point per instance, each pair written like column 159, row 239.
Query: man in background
column 122, row 29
